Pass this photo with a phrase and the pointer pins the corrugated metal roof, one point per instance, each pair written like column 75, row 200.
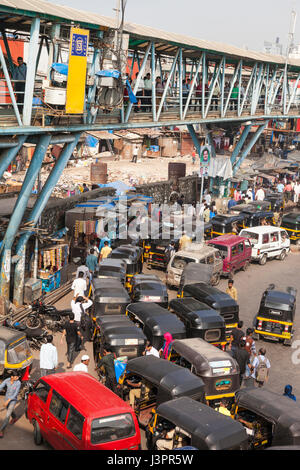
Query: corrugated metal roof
column 59, row 11
column 72, row 14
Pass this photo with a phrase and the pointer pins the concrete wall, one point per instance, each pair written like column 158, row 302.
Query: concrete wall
column 53, row 217
column 162, row 190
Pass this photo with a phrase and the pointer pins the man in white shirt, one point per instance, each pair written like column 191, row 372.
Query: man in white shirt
column 150, row 350
column 79, row 285
column 83, row 366
column 260, row 194
column 48, row 357
column 85, row 270
column 78, row 305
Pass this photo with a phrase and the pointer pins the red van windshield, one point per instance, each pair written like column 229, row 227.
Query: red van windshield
column 112, row 428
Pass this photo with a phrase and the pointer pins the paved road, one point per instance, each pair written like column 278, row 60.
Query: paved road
column 250, row 286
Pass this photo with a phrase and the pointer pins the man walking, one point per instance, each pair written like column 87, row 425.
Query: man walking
column 236, row 335
column 135, row 153
column 105, row 251
column 242, row 357
column 92, row 261
column 79, row 305
column 261, row 368
column 83, row 366
column 107, row 362
column 231, row 290
column 79, row 285
column 13, row 386
column 73, row 335
column 48, row 357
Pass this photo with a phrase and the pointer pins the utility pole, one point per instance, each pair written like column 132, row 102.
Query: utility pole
column 288, row 51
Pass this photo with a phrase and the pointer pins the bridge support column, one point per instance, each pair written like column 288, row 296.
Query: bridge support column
column 249, row 146
column 35, row 214
column 31, row 70
column 240, row 143
column 18, row 212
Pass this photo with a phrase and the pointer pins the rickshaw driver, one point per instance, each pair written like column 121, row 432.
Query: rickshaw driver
column 136, row 391
column 168, row 442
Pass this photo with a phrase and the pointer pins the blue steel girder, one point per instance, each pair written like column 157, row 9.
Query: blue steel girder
column 36, row 212
column 19, row 210
column 245, row 152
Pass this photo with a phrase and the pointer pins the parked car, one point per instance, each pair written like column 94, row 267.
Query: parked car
column 267, row 242
column 74, row 411
column 235, row 251
column 197, row 253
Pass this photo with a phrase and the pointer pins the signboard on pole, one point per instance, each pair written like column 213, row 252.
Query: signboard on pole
column 79, row 43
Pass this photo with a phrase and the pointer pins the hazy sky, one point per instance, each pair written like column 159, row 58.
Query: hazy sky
column 242, row 23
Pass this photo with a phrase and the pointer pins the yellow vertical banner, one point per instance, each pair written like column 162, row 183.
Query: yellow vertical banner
column 79, row 43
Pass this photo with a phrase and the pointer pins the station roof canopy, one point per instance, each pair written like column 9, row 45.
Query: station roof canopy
column 17, row 14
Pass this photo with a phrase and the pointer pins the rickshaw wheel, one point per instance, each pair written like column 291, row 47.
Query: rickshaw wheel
column 37, row 436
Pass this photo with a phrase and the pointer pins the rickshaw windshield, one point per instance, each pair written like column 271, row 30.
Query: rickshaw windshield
column 18, row 353
column 112, row 428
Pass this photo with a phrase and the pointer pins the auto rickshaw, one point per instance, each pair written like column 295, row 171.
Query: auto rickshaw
column 218, row 370
column 226, row 223
column 216, row 299
column 256, row 218
column 120, row 335
column 159, row 381
column 15, row 353
column 112, row 268
column 155, row 322
column 133, row 256
column 262, row 205
column 198, row 272
column 275, row 317
column 111, row 298
column 291, row 223
column 149, row 288
column 208, row 231
column 200, row 321
column 277, row 201
column 269, row 418
column 195, row 424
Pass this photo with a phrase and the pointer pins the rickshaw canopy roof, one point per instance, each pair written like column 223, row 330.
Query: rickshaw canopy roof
column 197, row 312
column 196, row 272
column 200, row 354
column 283, row 412
column 171, row 380
column 210, row 293
column 208, row 428
column 158, row 320
column 10, row 335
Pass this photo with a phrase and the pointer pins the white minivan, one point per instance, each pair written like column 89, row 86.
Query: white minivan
column 267, row 242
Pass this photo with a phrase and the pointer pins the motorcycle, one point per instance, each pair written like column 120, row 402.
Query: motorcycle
column 35, row 336
column 47, row 315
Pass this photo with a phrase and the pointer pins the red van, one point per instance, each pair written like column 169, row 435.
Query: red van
column 73, row 411
column 235, row 251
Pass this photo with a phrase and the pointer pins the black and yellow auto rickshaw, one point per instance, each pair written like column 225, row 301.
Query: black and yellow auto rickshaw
column 275, row 317
column 120, row 335
column 269, row 418
column 158, row 381
column 276, row 200
column 194, row 424
column 149, row 288
column 15, row 353
column 225, row 305
column 218, row 370
column 226, row 224
column 110, row 297
column 200, row 321
column 132, row 255
column 155, row 322
column 291, row 223
column 112, row 268
column 256, row 218
column 208, row 231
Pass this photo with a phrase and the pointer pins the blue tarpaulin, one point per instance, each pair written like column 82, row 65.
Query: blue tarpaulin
column 60, row 68
column 108, row 73
column 119, row 186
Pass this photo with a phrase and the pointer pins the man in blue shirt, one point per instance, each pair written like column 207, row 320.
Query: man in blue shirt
column 13, row 386
column 280, row 187
column 92, row 261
